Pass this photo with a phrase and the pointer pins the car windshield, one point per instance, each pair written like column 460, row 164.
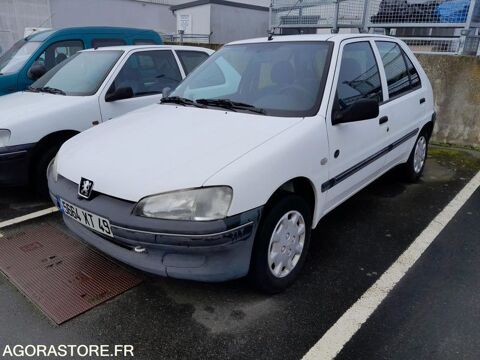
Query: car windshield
column 14, row 59
column 273, row 78
column 80, row 75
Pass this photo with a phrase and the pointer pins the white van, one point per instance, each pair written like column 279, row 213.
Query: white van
column 87, row 89
column 229, row 176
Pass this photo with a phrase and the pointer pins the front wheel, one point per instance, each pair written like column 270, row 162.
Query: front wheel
column 281, row 244
column 413, row 168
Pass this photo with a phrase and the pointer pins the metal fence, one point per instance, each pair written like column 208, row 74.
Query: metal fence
column 453, row 25
column 187, row 38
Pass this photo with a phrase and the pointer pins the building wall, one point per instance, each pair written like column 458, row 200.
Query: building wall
column 16, row 15
column 129, row 13
column 456, row 87
column 230, row 23
column 200, row 18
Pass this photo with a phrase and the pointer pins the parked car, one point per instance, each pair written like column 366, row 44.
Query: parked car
column 252, row 150
column 89, row 88
column 30, row 58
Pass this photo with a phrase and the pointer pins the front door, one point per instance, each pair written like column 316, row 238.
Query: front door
column 355, row 148
column 147, row 73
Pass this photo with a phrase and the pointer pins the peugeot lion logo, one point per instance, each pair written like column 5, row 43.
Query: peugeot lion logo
column 85, row 188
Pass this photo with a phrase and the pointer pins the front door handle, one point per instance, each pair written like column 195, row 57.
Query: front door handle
column 383, row 120
column 422, row 100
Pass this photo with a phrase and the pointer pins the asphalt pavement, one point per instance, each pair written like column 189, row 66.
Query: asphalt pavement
column 350, row 249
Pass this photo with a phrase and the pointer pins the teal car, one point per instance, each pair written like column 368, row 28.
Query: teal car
column 30, row 58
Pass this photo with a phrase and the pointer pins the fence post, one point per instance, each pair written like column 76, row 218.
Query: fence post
column 467, row 29
column 366, row 9
column 335, row 16
column 270, row 20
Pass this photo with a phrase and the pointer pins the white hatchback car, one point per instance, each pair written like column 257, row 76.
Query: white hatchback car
column 229, row 176
column 89, row 88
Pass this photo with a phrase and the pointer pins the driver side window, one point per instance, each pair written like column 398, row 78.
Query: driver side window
column 148, row 73
column 58, row 52
column 359, row 77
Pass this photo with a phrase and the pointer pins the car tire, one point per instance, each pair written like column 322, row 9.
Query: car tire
column 281, row 244
column 414, row 167
column 39, row 171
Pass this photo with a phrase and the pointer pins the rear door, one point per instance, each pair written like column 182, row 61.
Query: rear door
column 147, row 73
column 355, row 148
column 405, row 101
column 191, row 59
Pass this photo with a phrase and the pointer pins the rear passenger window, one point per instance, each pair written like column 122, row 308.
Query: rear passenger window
column 359, row 77
column 396, row 71
column 148, row 73
column 96, row 43
column 191, row 59
column 414, row 77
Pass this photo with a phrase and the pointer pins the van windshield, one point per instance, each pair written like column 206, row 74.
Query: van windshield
column 14, row 59
column 80, row 75
column 273, row 78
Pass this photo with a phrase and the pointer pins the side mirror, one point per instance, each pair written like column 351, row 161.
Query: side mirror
column 36, row 71
column 363, row 109
column 166, row 92
column 120, row 94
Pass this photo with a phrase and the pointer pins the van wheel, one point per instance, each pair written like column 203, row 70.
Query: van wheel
column 413, row 168
column 39, row 171
column 281, row 244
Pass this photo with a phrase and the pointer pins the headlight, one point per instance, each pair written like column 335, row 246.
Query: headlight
column 4, row 138
column 52, row 169
column 202, row 204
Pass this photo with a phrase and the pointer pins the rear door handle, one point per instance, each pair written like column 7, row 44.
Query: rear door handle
column 422, row 100
column 383, row 120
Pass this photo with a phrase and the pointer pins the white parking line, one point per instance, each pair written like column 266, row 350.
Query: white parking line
column 30, row 216
column 332, row 342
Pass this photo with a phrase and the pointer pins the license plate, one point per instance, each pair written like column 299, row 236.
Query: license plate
column 86, row 218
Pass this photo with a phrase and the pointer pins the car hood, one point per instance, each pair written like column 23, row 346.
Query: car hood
column 21, row 107
column 163, row 148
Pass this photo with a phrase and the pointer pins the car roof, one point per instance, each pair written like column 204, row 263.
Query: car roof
column 43, row 35
column 151, row 47
column 308, row 37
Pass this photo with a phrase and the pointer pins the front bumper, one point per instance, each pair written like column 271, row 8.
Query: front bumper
column 205, row 251
column 14, row 165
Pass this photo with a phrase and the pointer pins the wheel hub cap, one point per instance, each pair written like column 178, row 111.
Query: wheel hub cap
column 286, row 244
column 420, row 154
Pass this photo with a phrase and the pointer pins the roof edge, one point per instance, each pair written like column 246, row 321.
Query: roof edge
column 218, row 2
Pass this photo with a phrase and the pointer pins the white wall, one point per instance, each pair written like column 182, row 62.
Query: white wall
column 127, row 13
column 200, row 16
column 16, row 15
column 230, row 23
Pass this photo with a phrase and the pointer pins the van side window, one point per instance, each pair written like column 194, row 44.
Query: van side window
column 191, row 59
column 148, row 73
column 359, row 76
column 415, row 81
column 59, row 51
column 144, row 42
column 395, row 68
column 96, row 43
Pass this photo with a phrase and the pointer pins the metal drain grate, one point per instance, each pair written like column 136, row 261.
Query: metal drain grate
column 59, row 274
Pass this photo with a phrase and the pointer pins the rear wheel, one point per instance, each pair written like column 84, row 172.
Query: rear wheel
column 281, row 244
column 413, row 168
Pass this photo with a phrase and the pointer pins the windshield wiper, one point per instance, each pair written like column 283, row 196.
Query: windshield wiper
column 46, row 89
column 51, row 90
column 33, row 89
column 180, row 100
column 231, row 105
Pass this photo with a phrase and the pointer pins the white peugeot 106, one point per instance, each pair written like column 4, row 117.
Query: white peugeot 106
column 229, row 175
column 91, row 87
